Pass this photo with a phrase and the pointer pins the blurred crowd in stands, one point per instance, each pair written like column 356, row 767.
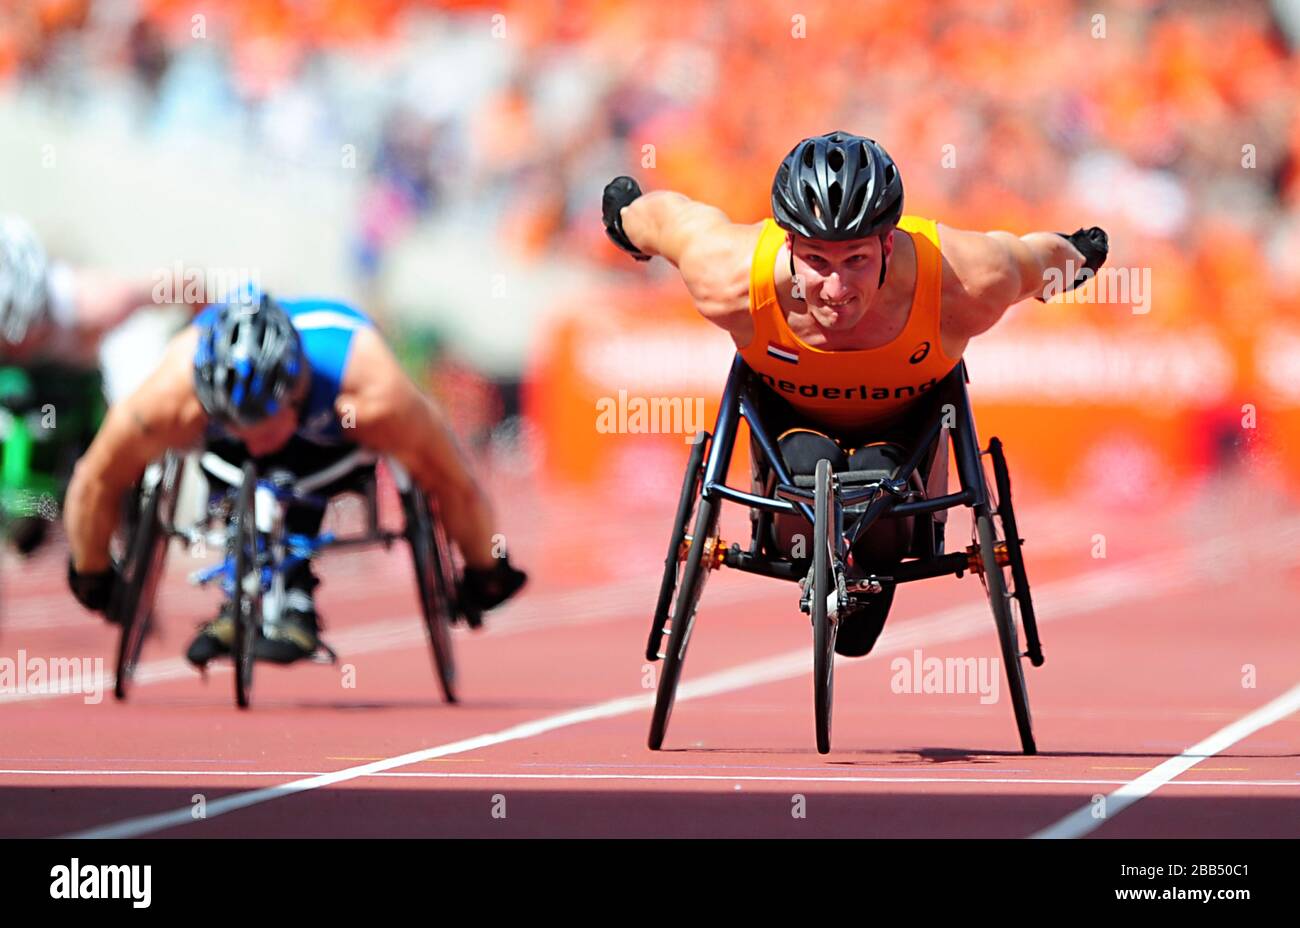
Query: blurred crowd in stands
column 1173, row 124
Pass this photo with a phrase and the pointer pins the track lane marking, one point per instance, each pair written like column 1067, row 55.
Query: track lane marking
column 1080, row 594
column 1076, row 595
column 1082, row 820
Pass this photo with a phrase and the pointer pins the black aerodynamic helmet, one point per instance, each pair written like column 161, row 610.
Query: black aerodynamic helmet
column 836, row 187
column 249, row 360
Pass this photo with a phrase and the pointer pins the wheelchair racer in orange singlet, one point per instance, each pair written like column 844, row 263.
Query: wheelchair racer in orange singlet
column 848, row 311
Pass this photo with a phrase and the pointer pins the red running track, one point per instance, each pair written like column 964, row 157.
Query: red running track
column 1181, row 633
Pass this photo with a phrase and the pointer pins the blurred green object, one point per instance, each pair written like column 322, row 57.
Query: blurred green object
column 418, row 348
column 48, row 416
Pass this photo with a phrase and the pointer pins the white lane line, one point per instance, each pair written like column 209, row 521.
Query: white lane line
column 1083, row 820
column 701, row 777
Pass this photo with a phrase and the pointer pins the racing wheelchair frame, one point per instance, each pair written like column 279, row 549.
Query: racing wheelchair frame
column 249, row 516
column 841, row 507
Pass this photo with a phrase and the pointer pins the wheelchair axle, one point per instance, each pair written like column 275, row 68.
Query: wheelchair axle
column 1000, row 555
column 715, row 552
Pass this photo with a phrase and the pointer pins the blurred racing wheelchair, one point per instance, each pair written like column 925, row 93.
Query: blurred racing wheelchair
column 841, row 507
column 245, row 519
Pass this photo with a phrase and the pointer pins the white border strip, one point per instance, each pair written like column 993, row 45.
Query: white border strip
column 700, row 777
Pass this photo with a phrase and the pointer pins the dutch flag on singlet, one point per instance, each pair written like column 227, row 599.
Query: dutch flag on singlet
column 782, row 354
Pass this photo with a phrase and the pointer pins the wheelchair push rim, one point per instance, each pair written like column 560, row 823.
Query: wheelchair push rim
column 146, row 556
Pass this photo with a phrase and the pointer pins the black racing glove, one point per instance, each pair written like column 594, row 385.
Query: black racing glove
column 486, row 588
column 619, row 192
column 93, row 590
column 1094, row 245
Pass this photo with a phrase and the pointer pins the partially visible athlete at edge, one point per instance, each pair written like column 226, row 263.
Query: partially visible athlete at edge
column 847, row 321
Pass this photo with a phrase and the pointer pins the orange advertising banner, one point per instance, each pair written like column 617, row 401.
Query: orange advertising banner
column 617, row 391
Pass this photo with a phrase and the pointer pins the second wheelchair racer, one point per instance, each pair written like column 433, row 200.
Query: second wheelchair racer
column 297, row 385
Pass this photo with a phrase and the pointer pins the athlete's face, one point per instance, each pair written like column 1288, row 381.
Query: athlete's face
column 269, row 435
column 839, row 279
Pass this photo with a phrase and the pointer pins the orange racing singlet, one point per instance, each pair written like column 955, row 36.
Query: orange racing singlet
column 854, row 388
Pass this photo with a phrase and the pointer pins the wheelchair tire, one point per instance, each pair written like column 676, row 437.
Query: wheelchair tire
column 694, row 575
column 244, row 540
column 673, row 560
column 435, row 582
column 152, row 506
column 1005, row 618
column 824, row 585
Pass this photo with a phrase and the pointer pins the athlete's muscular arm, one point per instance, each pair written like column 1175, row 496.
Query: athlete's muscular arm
column 987, row 272
column 164, row 413
column 710, row 251
column 393, row 417
column 104, row 301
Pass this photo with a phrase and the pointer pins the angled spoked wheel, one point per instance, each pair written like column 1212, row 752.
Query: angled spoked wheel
column 999, row 556
column 688, row 577
column 824, row 592
column 435, row 582
column 243, row 551
column 673, row 559
column 149, row 518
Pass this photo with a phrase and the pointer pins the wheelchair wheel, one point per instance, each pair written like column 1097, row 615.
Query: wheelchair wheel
column 824, row 586
column 694, row 574
column 435, row 581
column 673, row 560
column 243, row 551
column 151, row 508
column 1005, row 616
column 1015, row 555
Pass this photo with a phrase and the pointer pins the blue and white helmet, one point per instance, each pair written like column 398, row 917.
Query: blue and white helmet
column 249, row 360
column 23, row 273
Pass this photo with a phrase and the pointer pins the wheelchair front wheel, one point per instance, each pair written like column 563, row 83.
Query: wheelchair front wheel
column 435, row 582
column 247, row 593
column 824, row 586
column 152, row 506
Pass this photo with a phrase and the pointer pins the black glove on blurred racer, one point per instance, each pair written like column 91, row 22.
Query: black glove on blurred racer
column 94, row 590
column 486, row 588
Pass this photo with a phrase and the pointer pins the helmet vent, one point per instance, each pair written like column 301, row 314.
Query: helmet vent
column 858, row 198
column 836, row 197
column 808, row 156
column 835, row 159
